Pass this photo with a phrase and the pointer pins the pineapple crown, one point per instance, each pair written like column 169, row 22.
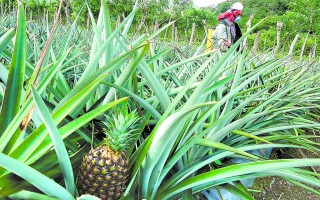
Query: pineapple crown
column 120, row 129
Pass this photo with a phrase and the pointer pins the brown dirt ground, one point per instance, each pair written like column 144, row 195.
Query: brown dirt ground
column 273, row 188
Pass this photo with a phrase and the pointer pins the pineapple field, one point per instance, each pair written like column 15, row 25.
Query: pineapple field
column 101, row 112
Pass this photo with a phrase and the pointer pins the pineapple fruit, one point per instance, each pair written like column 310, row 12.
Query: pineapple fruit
column 104, row 170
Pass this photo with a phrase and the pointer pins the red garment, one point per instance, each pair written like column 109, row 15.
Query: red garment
column 230, row 15
column 225, row 15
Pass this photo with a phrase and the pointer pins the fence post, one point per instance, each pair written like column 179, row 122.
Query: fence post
column 143, row 19
column 304, row 45
column 192, row 33
column 88, row 20
column 176, row 35
column 279, row 27
column 248, row 24
column 293, row 44
column 172, row 33
column 67, row 11
column 313, row 50
column 185, row 36
column 156, row 26
column 315, row 46
column 256, row 41
column 118, row 20
column 204, row 23
column 310, row 55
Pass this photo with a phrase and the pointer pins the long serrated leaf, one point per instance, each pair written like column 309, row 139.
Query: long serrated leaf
column 127, row 72
column 141, row 101
column 73, row 126
column 157, row 56
column 198, row 164
column 88, row 197
column 43, row 183
column 13, row 131
column 218, row 145
column 108, row 68
column 107, row 31
column 293, row 175
column 153, row 82
column 235, row 190
column 44, row 56
column 161, row 149
column 248, row 135
column 140, row 159
column 13, row 93
column 57, row 141
column 236, row 170
column 24, row 194
column 303, row 186
column 6, row 39
column 95, row 58
column 27, row 147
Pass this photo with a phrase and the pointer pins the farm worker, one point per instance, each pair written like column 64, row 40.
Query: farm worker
column 228, row 31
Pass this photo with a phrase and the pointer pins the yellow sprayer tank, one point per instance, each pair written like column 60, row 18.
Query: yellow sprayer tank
column 209, row 42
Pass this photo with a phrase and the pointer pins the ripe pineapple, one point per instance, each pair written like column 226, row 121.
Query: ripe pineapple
column 104, row 170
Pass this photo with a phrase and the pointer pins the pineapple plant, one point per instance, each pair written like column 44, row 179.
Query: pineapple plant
column 104, row 170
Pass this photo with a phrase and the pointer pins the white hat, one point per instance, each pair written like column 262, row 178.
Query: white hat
column 237, row 6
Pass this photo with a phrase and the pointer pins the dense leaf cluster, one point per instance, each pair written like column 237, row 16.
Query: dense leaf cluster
column 206, row 121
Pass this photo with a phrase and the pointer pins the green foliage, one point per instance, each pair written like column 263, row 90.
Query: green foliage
column 198, row 112
column 297, row 16
column 120, row 7
column 309, row 10
column 193, row 15
column 36, row 5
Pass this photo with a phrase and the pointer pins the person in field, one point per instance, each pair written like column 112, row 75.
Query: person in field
column 228, row 31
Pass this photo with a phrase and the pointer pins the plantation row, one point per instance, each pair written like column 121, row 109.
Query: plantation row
column 298, row 19
column 97, row 111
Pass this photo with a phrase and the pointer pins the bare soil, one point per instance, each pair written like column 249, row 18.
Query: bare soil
column 273, row 188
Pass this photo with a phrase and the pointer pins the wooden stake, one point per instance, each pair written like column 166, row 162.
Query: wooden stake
column 192, row 33
column 172, row 33
column 205, row 26
column 293, row 44
column 67, row 11
column 315, row 46
column 156, row 26
column 279, row 27
column 284, row 45
column 304, row 45
column 143, row 19
column 185, row 36
column 256, row 41
column 176, row 35
column 88, row 20
column 248, row 24
column 118, row 20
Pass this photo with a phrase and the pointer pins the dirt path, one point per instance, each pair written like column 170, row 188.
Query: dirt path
column 273, row 188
